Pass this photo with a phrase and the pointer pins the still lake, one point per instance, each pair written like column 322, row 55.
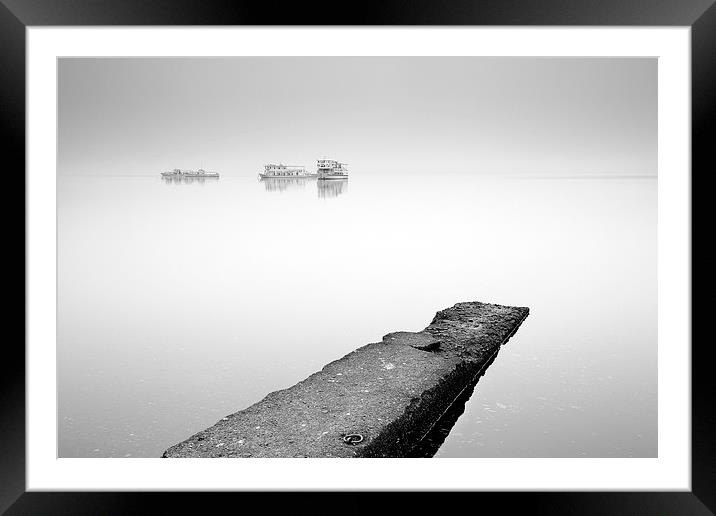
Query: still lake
column 182, row 302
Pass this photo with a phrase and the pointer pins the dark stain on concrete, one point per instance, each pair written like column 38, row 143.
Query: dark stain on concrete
column 381, row 400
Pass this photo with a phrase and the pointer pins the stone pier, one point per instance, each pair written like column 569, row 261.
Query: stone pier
column 378, row 401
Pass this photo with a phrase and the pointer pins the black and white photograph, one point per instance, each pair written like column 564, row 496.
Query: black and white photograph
column 454, row 239
column 356, row 257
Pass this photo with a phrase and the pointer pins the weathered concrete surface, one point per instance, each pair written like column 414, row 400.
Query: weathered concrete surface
column 388, row 393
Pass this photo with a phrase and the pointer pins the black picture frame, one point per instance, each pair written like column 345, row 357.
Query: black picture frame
column 700, row 15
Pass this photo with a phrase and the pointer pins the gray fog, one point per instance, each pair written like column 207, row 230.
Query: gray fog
column 395, row 115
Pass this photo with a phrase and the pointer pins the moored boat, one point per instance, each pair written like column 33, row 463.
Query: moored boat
column 274, row 171
column 178, row 173
column 330, row 169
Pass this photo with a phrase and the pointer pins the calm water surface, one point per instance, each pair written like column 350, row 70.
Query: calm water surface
column 182, row 302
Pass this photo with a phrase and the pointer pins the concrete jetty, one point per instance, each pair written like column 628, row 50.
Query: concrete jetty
column 381, row 400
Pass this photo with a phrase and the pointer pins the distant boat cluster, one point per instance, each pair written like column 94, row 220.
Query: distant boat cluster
column 326, row 169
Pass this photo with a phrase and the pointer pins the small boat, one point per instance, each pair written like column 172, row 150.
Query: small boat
column 201, row 173
column 272, row 171
column 331, row 169
column 177, row 173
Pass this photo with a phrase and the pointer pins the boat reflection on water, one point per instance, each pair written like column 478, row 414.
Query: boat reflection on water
column 332, row 188
column 281, row 184
column 325, row 189
column 175, row 180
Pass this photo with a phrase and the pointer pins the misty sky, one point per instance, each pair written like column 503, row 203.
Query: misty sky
column 548, row 116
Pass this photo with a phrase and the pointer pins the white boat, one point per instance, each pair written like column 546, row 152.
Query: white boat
column 177, row 173
column 273, row 171
column 201, row 173
column 331, row 169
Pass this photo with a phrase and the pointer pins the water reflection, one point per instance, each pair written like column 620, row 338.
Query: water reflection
column 433, row 440
column 169, row 180
column 281, row 184
column 325, row 189
column 332, row 188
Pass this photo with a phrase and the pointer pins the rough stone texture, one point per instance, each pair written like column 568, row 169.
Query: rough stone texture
column 421, row 340
column 390, row 393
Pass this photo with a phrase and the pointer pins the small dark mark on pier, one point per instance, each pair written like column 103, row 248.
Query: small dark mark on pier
column 353, row 439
